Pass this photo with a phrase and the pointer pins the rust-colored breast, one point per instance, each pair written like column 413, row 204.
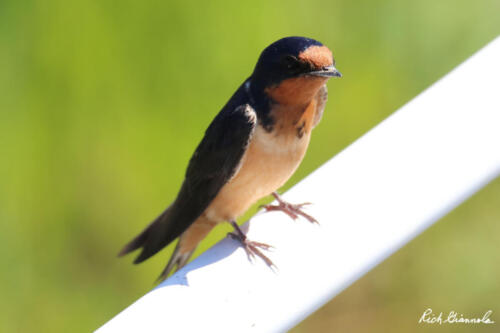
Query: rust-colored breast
column 270, row 160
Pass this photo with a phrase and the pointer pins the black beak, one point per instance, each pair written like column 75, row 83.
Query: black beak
column 328, row 71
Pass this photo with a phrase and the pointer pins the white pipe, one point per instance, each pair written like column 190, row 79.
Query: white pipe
column 371, row 199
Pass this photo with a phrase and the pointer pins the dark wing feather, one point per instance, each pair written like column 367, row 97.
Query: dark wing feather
column 214, row 162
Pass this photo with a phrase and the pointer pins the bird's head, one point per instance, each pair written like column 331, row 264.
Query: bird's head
column 292, row 69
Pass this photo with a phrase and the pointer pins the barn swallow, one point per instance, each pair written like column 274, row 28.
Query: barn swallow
column 251, row 148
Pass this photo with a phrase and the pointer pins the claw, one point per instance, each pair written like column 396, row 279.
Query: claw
column 292, row 210
column 251, row 248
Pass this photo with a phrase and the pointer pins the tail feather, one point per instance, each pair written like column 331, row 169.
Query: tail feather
column 135, row 243
column 164, row 230
column 155, row 237
column 177, row 258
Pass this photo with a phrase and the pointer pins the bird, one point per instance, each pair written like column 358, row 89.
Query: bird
column 249, row 150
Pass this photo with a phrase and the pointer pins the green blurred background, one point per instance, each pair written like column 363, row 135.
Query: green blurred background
column 103, row 102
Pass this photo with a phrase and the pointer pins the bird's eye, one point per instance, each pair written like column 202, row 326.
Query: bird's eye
column 290, row 62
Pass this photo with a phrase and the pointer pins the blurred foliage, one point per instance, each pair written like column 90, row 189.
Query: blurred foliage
column 103, row 102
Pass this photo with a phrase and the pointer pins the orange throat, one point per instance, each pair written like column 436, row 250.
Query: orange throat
column 297, row 91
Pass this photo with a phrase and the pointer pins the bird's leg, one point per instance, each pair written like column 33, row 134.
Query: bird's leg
column 292, row 210
column 251, row 247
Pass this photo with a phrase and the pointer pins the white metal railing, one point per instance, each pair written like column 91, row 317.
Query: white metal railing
column 370, row 199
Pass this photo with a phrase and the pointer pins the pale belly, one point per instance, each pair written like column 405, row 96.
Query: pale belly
column 266, row 166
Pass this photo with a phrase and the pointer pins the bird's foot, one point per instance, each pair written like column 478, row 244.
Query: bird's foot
column 292, row 210
column 251, row 248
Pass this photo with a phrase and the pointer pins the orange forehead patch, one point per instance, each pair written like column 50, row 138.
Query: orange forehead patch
column 319, row 56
